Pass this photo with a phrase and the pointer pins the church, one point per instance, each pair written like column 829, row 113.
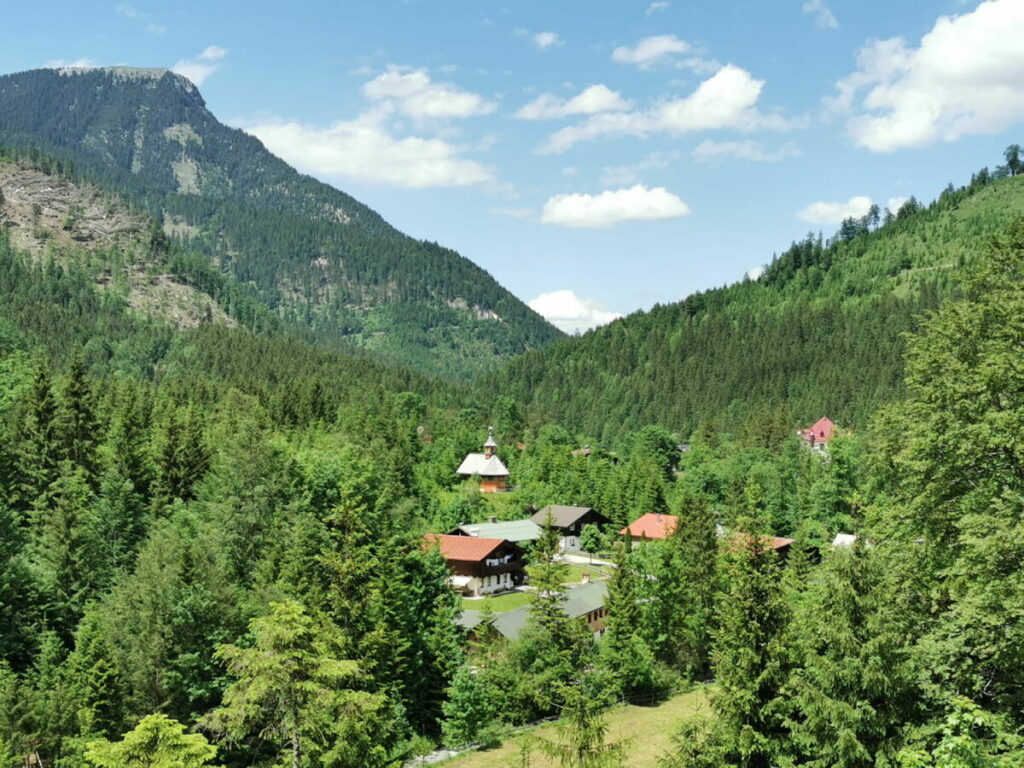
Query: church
column 487, row 466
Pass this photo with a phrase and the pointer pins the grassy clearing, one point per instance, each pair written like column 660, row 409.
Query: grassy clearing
column 649, row 728
column 499, row 603
column 576, row 573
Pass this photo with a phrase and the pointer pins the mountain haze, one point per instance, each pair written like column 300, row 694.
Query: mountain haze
column 314, row 255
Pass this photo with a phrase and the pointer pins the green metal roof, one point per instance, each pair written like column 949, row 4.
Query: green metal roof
column 512, row 530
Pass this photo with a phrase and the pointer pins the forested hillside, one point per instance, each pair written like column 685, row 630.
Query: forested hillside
column 821, row 331
column 313, row 254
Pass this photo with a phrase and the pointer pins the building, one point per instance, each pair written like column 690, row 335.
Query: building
column 818, row 435
column 480, row 566
column 516, row 531
column 569, row 522
column 586, row 603
column 655, row 527
column 487, row 466
column 651, row 526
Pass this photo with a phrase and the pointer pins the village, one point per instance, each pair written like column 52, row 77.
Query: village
column 489, row 560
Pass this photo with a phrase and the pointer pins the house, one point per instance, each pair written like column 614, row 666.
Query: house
column 818, row 435
column 487, row 466
column 569, row 522
column 480, row 566
column 586, row 603
column 655, row 527
column 651, row 526
column 516, row 531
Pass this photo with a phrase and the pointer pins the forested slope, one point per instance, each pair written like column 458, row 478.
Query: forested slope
column 313, row 254
column 821, row 332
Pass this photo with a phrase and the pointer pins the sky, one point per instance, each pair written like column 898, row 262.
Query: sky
column 595, row 157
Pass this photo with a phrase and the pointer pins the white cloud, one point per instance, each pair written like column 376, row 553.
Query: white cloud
column 129, row 11
column 545, row 40
column 823, row 15
column 569, row 312
column 515, row 213
column 624, row 175
column 591, row 101
column 82, row 63
column 416, row 95
column 205, row 64
column 895, row 203
column 365, row 150
column 710, row 151
column 727, row 99
column 963, row 79
column 651, row 51
column 755, row 273
column 156, row 29
column 833, row 213
column 637, row 203
column 660, row 5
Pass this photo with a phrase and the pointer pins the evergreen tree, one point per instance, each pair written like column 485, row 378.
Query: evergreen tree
column 468, row 708
column 157, row 741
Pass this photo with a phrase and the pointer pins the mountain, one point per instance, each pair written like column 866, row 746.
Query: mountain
column 820, row 332
column 313, row 255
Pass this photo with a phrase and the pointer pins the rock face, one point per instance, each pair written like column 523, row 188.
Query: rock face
column 312, row 253
column 49, row 217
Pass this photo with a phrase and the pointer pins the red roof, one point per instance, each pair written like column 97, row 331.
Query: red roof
column 651, row 526
column 466, row 548
column 822, row 430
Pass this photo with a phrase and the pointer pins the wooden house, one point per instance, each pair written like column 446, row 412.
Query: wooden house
column 491, row 471
column 569, row 522
column 480, row 566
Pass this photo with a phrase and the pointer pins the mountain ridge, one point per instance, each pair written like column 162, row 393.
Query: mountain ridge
column 314, row 254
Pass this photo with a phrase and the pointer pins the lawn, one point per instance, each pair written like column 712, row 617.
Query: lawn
column 499, row 603
column 649, row 728
column 576, row 573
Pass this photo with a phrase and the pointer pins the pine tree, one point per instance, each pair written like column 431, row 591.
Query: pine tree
column 156, row 741
column 468, row 708
column 77, row 427
column 39, row 452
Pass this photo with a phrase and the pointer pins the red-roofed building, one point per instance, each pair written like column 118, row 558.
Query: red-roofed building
column 651, row 526
column 480, row 566
column 654, row 527
column 818, row 435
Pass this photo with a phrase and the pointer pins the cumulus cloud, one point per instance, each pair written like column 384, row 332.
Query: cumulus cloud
column 514, row 213
column 591, row 101
column 895, row 203
column 624, row 175
column 727, row 99
column 964, row 78
column 414, row 94
column 82, row 63
column 651, row 51
column 710, row 151
column 365, row 150
column 545, row 40
column 660, row 5
column 567, row 311
column 202, row 66
column 823, row 15
column 755, row 273
column 824, row 212
column 611, row 207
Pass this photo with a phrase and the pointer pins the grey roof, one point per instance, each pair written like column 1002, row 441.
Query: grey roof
column 579, row 601
column 478, row 464
column 513, row 530
column 561, row 515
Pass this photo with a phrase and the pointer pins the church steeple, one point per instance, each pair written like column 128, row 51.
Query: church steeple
column 491, row 445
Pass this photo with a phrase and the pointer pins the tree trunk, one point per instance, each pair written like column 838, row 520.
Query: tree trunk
column 296, row 751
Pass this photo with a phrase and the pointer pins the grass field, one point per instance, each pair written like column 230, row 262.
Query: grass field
column 576, row 573
column 499, row 603
column 649, row 730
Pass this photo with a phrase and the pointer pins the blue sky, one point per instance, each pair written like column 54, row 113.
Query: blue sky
column 596, row 158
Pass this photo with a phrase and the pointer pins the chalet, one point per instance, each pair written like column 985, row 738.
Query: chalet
column 655, row 527
column 487, row 466
column 569, row 522
column 480, row 566
column 517, row 531
column 651, row 526
column 586, row 603
column 817, row 436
